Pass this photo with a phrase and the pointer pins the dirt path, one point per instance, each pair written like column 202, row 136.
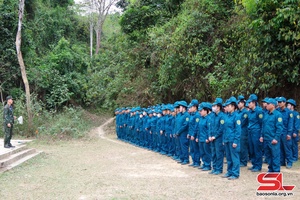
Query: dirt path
column 105, row 168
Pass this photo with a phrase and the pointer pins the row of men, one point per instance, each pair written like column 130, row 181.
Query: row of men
column 238, row 129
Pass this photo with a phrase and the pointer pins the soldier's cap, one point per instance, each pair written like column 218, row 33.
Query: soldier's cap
column 8, row 98
column 176, row 104
column 247, row 102
column 218, row 101
column 271, row 101
column 226, row 103
column 281, row 99
column 183, row 103
column 265, row 99
column 204, row 105
column 200, row 107
column 253, row 97
column 209, row 105
column 231, row 100
column 194, row 102
column 241, row 97
column 292, row 101
column 138, row 109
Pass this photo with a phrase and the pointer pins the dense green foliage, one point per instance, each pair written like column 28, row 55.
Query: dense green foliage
column 155, row 51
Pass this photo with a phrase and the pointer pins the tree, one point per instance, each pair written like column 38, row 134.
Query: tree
column 101, row 9
column 21, row 63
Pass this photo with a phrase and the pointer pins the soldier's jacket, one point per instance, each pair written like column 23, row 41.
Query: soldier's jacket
column 8, row 115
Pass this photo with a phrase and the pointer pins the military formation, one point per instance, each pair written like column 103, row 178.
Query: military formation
column 202, row 134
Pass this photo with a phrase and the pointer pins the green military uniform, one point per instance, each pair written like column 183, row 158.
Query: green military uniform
column 8, row 118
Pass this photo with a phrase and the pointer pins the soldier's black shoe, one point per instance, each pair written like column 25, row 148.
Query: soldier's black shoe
column 11, row 146
column 6, row 146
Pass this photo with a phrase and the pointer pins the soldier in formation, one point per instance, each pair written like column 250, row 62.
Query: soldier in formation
column 205, row 133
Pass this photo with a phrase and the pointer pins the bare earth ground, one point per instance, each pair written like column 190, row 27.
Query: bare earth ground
column 102, row 167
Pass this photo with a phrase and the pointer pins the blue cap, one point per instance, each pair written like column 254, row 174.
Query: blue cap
column 218, row 101
column 265, row 99
column 194, row 102
column 183, row 103
column 281, row 99
column 207, row 105
column 231, row 100
column 253, row 97
column 176, row 104
column 247, row 102
column 200, row 107
column 226, row 103
column 241, row 97
column 271, row 101
column 150, row 112
column 292, row 101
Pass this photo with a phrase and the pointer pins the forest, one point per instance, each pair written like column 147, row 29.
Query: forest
column 151, row 52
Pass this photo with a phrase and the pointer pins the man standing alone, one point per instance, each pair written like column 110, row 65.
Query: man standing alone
column 8, row 119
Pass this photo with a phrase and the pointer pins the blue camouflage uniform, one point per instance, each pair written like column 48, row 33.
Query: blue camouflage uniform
column 231, row 136
column 255, row 118
column 182, row 123
column 168, row 131
column 286, row 156
column 271, row 130
column 159, row 127
column 203, row 136
column 296, row 130
column 193, row 127
column 244, row 144
column 153, row 129
column 139, row 128
column 171, row 136
column 217, row 127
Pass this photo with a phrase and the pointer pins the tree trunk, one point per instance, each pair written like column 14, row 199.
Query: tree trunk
column 2, row 100
column 91, row 38
column 98, row 42
column 22, row 65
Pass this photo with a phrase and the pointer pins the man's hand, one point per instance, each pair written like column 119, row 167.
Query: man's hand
column 288, row 137
column 274, row 141
column 261, row 139
column 8, row 125
column 234, row 145
column 294, row 134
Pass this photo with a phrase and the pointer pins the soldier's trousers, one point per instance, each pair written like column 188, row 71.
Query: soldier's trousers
column 7, row 135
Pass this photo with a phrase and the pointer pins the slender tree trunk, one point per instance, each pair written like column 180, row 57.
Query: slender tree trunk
column 98, row 42
column 22, row 65
column 2, row 100
column 91, row 38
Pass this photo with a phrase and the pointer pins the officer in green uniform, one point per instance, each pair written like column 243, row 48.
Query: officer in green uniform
column 8, row 121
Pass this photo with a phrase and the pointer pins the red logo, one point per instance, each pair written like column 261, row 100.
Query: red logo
column 272, row 182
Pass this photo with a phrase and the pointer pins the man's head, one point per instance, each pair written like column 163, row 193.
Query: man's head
column 281, row 102
column 9, row 100
column 291, row 104
column 271, row 104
